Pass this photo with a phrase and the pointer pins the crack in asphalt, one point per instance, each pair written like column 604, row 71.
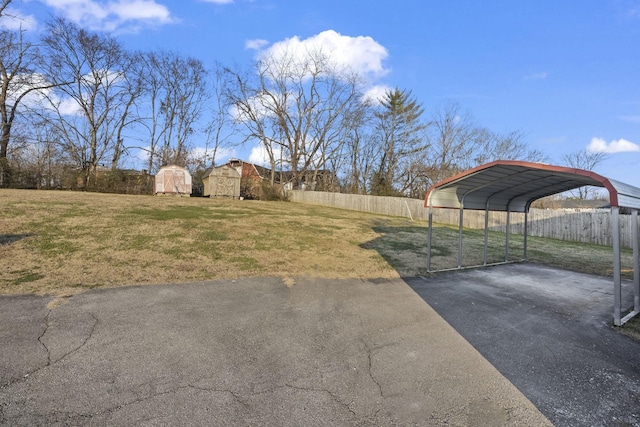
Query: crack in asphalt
column 68, row 415
column 217, row 390
column 46, row 328
column 48, row 418
column 48, row 350
column 333, row 396
column 370, row 367
column 167, row 392
column 234, row 395
column 86, row 340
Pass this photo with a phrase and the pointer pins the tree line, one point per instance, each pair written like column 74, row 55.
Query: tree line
column 78, row 101
column 312, row 118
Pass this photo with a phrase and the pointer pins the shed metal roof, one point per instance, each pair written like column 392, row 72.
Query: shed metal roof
column 513, row 185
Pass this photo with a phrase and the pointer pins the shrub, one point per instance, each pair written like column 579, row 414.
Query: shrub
column 272, row 192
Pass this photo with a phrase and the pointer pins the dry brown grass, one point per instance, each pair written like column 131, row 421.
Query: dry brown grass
column 62, row 242
column 632, row 328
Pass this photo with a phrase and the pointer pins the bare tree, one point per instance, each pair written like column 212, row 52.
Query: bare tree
column 177, row 86
column 457, row 144
column 3, row 6
column 36, row 158
column 153, row 85
column 91, row 95
column 414, row 181
column 508, row 146
column 17, row 80
column 249, row 112
column 296, row 107
column 360, row 150
column 454, row 142
column 586, row 160
column 45, row 156
column 218, row 116
column 133, row 88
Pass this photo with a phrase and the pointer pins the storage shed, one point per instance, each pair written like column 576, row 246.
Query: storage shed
column 173, row 180
column 222, row 181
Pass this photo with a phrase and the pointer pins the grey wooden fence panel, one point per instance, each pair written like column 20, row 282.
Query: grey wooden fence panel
column 577, row 225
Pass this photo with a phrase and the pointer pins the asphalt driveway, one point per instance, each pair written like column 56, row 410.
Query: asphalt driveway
column 548, row 331
column 247, row 352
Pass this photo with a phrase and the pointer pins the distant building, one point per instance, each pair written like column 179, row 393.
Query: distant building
column 173, row 180
column 222, row 181
column 253, row 177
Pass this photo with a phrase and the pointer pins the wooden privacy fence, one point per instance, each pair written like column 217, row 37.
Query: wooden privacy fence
column 577, row 225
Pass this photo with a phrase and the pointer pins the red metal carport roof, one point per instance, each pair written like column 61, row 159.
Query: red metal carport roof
column 513, row 185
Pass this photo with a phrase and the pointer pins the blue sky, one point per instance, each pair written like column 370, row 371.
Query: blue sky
column 565, row 73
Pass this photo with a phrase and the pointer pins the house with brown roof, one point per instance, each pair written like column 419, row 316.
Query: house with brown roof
column 253, row 178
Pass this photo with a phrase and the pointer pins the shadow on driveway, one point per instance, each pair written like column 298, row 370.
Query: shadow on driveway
column 549, row 332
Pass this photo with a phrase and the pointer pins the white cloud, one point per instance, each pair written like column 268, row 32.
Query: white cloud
column 218, row 1
column 222, row 154
column 141, row 155
column 50, row 99
column 361, row 54
column 225, row 153
column 376, row 93
column 12, row 20
column 259, row 155
column 113, row 15
column 537, row 76
column 139, row 9
column 629, row 8
column 632, row 119
column 260, row 106
column 599, row 145
column 42, row 97
column 255, row 44
column 69, row 107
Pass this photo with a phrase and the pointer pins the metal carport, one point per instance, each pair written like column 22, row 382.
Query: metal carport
column 511, row 186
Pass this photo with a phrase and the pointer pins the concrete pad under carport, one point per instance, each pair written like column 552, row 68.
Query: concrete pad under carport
column 247, row 352
column 549, row 331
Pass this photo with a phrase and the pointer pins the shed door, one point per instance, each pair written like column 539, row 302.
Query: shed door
column 178, row 182
column 168, row 181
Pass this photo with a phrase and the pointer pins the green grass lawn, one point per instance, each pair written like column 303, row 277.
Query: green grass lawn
column 60, row 243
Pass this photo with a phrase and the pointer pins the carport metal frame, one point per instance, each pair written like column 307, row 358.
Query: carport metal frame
column 511, row 186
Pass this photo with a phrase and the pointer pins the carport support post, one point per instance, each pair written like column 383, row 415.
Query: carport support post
column 460, row 236
column 636, row 262
column 526, row 230
column 506, row 244
column 617, row 279
column 429, row 239
column 486, row 232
